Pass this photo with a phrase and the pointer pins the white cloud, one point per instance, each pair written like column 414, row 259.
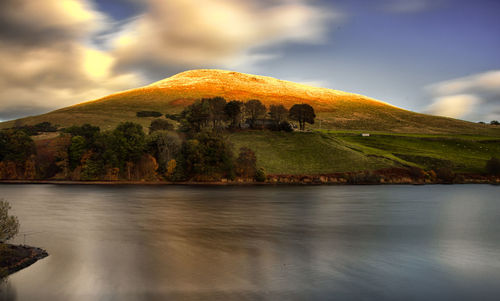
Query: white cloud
column 454, row 106
column 476, row 95
column 216, row 32
column 482, row 82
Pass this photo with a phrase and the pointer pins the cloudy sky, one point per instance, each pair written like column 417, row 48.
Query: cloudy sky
column 433, row 56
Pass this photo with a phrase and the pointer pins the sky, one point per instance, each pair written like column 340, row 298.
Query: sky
column 432, row 56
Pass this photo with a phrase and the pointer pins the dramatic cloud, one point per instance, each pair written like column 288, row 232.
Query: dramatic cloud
column 476, row 96
column 215, row 32
column 56, row 53
column 46, row 59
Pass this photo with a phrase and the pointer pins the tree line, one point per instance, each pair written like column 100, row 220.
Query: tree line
column 125, row 153
column 217, row 113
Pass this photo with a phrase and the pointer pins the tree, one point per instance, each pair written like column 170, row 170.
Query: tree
column 164, row 147
column 278, row 113
column 493, row 166
column 206, row 157
column 234, row 113
column 129, row 144
column 160, row 125
column 216, row 107
column 9, row 225
column 76, row 149
column 87, row 131
column 16, row 146
column 495, row 122
column 302, row 113
column 246, row 163
column 196, row 116
column 254, row 110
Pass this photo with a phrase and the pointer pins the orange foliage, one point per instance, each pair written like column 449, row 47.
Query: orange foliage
column 30, row 168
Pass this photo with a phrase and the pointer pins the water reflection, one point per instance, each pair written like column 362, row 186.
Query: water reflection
column 199, row 243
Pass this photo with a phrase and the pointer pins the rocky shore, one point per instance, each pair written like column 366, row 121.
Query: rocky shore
column 17, row 257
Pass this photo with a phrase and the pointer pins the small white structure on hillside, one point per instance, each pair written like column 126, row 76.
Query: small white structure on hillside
column 365, row 135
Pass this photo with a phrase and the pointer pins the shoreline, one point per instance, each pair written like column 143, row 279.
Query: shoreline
column 19, row 257
column 307, row 182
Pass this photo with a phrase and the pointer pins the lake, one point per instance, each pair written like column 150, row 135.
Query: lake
column 405, row 242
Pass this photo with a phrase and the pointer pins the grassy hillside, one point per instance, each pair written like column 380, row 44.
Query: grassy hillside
column 329, row 151
column 304, row 153
column 335, row 109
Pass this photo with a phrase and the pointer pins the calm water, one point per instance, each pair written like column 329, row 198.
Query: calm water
column 246, row 243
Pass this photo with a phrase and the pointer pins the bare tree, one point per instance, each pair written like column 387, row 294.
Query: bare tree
column 9, row 225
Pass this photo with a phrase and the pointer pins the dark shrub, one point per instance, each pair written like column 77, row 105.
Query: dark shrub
column 160, row 125
column 416, row 172
column 260, row 175
column 285, row 126
column 493, row 166
column 175, row 117
column 445, row 174
column 149, row 114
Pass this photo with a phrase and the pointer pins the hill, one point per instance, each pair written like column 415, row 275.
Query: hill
column 335, row 109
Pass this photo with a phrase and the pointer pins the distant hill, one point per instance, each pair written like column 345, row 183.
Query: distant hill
column 335, row 109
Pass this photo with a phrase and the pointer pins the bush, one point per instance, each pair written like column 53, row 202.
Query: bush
column 260, row 175
column 493, row 166
column 175, row 117
column 416, row 173
column 445, row 174
column 285, row 126
column 149, row 114
column 160, row 125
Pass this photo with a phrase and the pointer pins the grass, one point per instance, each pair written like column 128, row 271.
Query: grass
column 328, row 151
column 460, row 153
column 304, row 153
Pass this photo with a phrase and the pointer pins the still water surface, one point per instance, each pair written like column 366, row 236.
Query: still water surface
column 246, row 243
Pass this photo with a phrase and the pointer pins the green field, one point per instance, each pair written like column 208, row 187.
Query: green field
column 330, row 151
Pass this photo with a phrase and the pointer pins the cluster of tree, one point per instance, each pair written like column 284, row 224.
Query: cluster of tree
column 125, row 153
column 216, row 113
column 493, row 122
column 17, row 151
column 200, row 151
column 38, row 128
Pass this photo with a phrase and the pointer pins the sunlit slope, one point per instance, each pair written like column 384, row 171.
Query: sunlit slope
column 335, row 109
